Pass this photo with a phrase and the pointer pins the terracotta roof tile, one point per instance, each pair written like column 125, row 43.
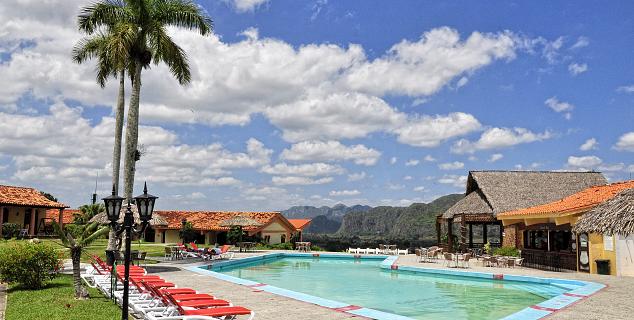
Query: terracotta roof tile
column 299, row 224
column 210, row 220
column 21, row 196
column 67, row 217
column 586, row 199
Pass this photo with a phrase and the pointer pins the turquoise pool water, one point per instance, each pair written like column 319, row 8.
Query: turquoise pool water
column 414, row 295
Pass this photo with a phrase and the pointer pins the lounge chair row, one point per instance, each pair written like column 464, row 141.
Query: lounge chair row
column 378, row 251
column 182, row 251
column 153, row 298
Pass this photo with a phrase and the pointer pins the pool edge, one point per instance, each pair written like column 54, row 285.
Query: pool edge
column 534, row 312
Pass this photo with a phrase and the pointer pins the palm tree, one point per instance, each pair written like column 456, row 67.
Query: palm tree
column 148, row 20
column 111, row 50
column 87, row 211
column 84, row 236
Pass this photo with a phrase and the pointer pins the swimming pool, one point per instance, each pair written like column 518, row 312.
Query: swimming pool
column 366, row 287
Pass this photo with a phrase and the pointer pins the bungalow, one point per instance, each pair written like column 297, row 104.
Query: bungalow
column 26, row 207
column 300, row 225
column 274, row 227
column 545, row 233
column 472, row 220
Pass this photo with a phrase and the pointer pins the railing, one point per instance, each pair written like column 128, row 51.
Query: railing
column 549, row 261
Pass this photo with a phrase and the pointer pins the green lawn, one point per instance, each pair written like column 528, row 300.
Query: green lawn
column 57, row 302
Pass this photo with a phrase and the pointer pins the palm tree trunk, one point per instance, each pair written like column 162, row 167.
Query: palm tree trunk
column 116, row 154
column 80, row 291
column 132, row 134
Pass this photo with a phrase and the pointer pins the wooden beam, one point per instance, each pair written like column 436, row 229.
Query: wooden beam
column 508, row 222
column 530, row 222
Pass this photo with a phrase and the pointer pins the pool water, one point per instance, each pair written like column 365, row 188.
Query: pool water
column 415, row 295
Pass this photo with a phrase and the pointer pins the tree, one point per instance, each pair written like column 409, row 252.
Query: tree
column 187, row 233
column 86, row 212
column 111, row 49
column 89, row 233
column 49, row 196
column 148, row 20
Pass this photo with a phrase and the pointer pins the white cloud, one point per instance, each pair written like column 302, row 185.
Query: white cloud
column 454, row 180
column 423, row 67
column 305, row 170
column 612, row 167
column 626, row 142
column 393, row 186
column 429, row 158
column 495, row 157
column 463, row 81
column 581, row 42
column 550, row 50
column 451, row 165
column 575, row 68
column 412, row 162
column 331, row 151
column 590, row 144
column 496, row 138
column 428, row 131
column 290, row 180
column 626, row 89
column 246, row 5
column 407, row 178
column 419, row 189
column 630, row 168
column 344, row 193
column 357, row 176
column 560, row 106
column 586, row 162
column 393, row 160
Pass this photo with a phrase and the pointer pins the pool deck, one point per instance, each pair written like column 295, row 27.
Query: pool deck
column 613, row 302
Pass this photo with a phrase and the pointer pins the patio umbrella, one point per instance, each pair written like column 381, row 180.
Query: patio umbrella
column 240, row 221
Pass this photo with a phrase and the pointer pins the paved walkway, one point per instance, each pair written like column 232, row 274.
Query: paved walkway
column 3, row 299
column 613, row 302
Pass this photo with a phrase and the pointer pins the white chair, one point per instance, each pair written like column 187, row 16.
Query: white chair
column 361, row 251
column 352, row 250
column 370, row 251
column 402, row 252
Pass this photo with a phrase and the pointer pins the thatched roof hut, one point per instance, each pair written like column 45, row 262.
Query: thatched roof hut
column 102, row 218
column 492, row 192
column 615, row 216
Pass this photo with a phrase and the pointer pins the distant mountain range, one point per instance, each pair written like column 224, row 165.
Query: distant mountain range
column 414, row 222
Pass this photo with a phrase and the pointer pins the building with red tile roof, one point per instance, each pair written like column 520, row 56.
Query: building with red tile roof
column 272, row 227
column 545, row 231
column 300, row 224
column 27, row 208
column 68, row 216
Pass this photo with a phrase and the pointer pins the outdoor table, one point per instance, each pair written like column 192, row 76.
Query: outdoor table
column 302, row 246
column 246, row 246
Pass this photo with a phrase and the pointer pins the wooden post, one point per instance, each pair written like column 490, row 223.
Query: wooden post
column 470, row 235
column 1, row 219
column 438, row 227
column 60, row 220
column 32, row 223
column 450, row 234
column 484, row 233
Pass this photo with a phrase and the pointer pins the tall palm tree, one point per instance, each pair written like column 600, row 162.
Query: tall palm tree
column 111, row 49
column 87, row 211
column 149, row 20
column 86, row 235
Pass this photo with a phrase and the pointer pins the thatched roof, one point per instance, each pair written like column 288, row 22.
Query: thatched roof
column 509, row 190
column 240, row 221
column 102, row 218
column 615, row 216
column 473, row 203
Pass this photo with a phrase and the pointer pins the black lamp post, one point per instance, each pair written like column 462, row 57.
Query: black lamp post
column 145, row 206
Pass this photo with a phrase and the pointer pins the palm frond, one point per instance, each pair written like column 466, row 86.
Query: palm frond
column 62, row 235
column 88, row 48
column 104, row 13
column 183, row 14
column 165, row 50
column 87, row 240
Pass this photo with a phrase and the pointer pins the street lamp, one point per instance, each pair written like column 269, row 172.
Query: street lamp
column 145, row 205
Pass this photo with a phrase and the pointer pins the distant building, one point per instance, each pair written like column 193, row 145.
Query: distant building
column 472, row 221
column 27, row 207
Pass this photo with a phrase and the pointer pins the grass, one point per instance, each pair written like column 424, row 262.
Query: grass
column 57, row 302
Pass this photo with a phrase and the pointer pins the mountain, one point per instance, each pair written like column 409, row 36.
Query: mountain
column 322, row 224
column 336, row 213
column 414, row 222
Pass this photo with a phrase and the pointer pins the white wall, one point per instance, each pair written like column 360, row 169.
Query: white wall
column 625, row 255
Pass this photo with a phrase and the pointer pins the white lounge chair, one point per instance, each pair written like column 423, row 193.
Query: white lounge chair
column 370, row 251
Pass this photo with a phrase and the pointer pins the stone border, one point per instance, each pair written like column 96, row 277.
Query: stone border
column 577, row 290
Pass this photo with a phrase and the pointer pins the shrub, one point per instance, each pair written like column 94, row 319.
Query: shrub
column 9, row 230
column 27, row 264
column 507, row 251
column 75, row 230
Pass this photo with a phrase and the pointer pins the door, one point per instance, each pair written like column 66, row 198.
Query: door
column 583, row 253
column 27, row 218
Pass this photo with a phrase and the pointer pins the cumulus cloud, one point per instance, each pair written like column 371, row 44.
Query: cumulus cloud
column 291, row 180
column 580, row 43
column 246, row 5
column 495, row 157
column 357, row 176
column 626, row 89
column 626, row 142
column 419, row 189
column 306, row 170
column 331, row 151
column 585, row 162
column 429, row 158
column 454, row 180
column 576, row 68
column 412, row 162
column 451, row 165
column 393, row 160
column 560, row 106
column 344, row 193
column 430, row 131
column 590, row 144
column 497, row 138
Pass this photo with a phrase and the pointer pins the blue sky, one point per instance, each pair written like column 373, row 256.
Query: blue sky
column 321, row 102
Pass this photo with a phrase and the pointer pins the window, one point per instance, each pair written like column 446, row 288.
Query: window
column 5, row 215
column 283, row 238
column 267, row 239
column 558, row 240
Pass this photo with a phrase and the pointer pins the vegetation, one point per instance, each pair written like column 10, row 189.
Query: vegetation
column 76, row 244
column 56, row 302
column 87, row 211
column 28, row 264
column 49, row 196
column 10, row 230
column 187, row 233
column 507, row 251
column 235, row 234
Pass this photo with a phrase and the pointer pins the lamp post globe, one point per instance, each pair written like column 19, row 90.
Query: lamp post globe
column 145, row 204
column 113, row 206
